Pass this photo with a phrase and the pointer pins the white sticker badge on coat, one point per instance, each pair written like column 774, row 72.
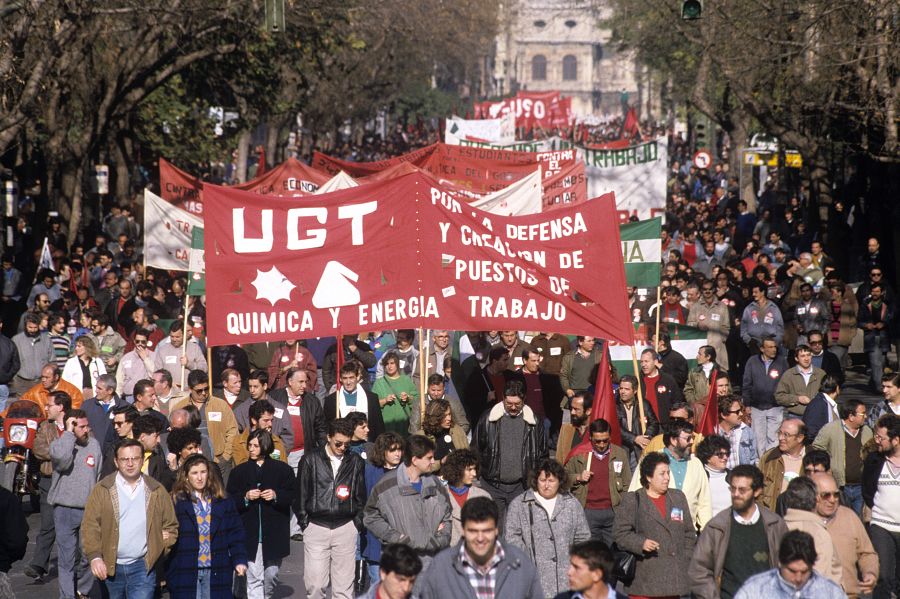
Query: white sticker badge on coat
column 214, row 416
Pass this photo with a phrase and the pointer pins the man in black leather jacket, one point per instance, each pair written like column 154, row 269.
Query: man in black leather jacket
column 330, row 500
column 511, row 443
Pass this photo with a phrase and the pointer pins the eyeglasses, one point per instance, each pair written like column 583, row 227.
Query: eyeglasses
column 829, row 495
column 860, row 414
column 738, row 411
column 879, row 438
column 783, row 435
column 201, row 390
column 131, row 460
column 140, row 342
column 723, row 454
column 340, row 443
column 875, row 274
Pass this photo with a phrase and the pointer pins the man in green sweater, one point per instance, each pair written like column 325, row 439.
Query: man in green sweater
column 738, row 542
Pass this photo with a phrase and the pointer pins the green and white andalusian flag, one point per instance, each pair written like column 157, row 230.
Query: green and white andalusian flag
column 197, row 274
column 685, row 340
column 642, row 252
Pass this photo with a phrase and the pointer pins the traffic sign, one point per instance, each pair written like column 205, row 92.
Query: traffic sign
column 702, row 159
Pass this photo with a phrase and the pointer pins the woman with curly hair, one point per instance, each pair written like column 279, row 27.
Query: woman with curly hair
column 439, row 426
column 460, row 471
column 210, row 543
column 545, row 522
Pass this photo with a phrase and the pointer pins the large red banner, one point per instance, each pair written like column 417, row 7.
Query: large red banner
column 404, row 253
column 543, row 110
column 290, row 178
column 477, row 171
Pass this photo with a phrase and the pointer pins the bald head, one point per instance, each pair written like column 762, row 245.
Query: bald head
column 179, row 418
column 827, row 494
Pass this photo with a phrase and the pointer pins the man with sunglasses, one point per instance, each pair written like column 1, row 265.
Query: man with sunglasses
column 710, row 314
column 329, row 506
column 136, row 365
column 740, row 436
column 216, row 418
column 855, row 551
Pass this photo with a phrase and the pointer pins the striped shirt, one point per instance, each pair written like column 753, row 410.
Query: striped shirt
column 886, row 504
column 60, row 345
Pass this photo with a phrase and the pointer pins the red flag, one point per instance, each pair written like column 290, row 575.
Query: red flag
column 631, row 127
column 711, row 414
column 604, row 407
column 261, row 167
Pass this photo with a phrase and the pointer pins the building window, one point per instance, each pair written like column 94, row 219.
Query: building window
column 570, row 24
column 540, row 24
column 570, row 68
column 539, row 68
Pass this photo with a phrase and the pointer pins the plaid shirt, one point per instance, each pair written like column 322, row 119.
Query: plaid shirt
column 482, row 583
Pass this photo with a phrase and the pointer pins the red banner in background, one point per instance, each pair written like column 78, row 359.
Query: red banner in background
column 403, row 254
column 332, row 166
column 180, row 188
column 290, row 178
column 543, row 110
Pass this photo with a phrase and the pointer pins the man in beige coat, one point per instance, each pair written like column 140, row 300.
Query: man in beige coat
column 855, row 551
column 800, row 499
column 798, row 385
column 711, row 315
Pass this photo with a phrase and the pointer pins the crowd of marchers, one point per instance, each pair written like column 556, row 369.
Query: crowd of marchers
column 476, row 469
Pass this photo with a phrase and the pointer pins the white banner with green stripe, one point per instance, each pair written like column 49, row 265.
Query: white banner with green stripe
column 685, row 340
column 642, row 252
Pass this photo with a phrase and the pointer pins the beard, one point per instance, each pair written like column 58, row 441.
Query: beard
column 579, row 420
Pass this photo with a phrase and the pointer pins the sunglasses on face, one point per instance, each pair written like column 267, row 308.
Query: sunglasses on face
column 340, row 443
column 200, row 390
column 829, row 495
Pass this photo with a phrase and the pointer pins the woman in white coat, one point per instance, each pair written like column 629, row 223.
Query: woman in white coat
column 84, row 368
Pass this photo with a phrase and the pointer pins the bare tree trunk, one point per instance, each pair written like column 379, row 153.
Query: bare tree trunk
column 74, row 189
column 122, row 155
column 243, row 151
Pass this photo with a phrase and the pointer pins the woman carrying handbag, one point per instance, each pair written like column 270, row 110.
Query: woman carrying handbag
column 654, row 523
column 210, row 544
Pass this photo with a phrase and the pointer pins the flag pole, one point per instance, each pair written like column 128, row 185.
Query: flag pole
column 423, row 380
column 184, row 335
column 209, row 367
column 658, row 310
column 640, row 395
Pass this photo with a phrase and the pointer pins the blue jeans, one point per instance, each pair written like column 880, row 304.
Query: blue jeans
column 374, row 573
column 4, row 396
column 853, row 498
column 203, row 576
column 132, row 581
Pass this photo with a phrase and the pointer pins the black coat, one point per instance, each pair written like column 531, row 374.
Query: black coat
column 9, row 360
column 274, row 515
column 486, row 441
column 14, row 539
column 376, row 422
column 675, row 365
column 664, row 399
column 475, row 392
column 312, row 416
column 628, row 434
column 328, row 500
